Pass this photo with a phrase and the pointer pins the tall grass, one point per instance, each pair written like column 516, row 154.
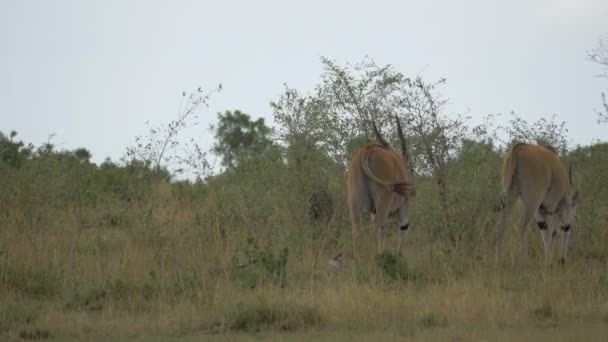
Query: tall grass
column 243, row 253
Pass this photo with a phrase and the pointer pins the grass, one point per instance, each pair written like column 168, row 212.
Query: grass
column 140, row 291
column 278, row 316
column 202, row 273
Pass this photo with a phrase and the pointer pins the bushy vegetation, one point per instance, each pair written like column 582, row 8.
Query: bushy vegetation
column 264, row 244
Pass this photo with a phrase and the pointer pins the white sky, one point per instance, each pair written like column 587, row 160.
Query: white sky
column 93, row 72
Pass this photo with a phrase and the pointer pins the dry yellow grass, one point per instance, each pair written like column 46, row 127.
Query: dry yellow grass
column 177, row 276
column 113, row 286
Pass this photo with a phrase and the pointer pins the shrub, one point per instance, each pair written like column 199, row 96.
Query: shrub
column 392, row 266
column 544, row 312
column 433, row 320
column 30, row 281
column 285, row 317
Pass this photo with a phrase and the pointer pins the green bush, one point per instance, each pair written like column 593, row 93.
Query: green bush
column 37, row 282
column 544, row 312
column 14, row 315
column 34, row 334
column 263, row 265
column 392, row 266
column 282, row 317
column 433, row 320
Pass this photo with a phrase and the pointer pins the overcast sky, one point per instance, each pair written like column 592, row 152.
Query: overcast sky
column 93, row 72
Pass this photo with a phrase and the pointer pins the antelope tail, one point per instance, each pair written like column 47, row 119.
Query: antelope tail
column 508, row 172
column 400, row 188
column 509, row 166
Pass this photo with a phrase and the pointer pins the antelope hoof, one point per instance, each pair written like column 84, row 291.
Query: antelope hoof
column 562, row 261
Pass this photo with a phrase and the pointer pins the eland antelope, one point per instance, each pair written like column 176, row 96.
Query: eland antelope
column 536, row 176
column 379, row 181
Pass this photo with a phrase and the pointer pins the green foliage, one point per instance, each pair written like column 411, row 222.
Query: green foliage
column 341, row 110
column 31, row 282
column 321, row 205
column 239, row 137
column 474, row 183
column 275, row 316
column 82, row 154
column 396, row 269
column 309, row 170
column 589, row 176
column 263, row 265
column 434, row 320
column 118, row 290
column 22, row 318
column 46, row 180
column 337, row 118
column 49, row 180
column 18, row 315
column 547, row 132
column 157, row 149
column 34, row 334
column 13, row 153
column 392, row 265
column 355, row 143
column 128, row 183
column 599, row 55
column 275, row 265
column 90, row 300
column 544, row 312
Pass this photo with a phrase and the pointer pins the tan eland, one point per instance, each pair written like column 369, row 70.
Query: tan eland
column 535, row 176
column 379, row 182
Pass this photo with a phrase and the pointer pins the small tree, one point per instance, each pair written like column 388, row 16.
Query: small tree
column 13, row 153
column 364, row 92
column 438, row 136
column 239, row 137
column 355, row 95
column 599, row 55
column 338, row 116
column 547, row 132
column 158, row 150
column 310, row 149
column 300, row 118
